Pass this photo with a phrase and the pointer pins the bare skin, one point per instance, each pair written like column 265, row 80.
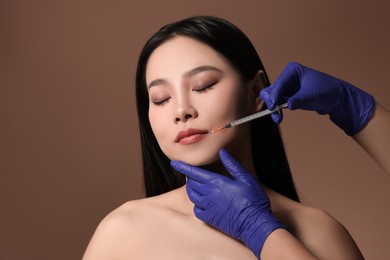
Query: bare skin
column 164, row 227
column 375, row 137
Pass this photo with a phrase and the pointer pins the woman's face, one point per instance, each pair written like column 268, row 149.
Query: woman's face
column 192, row 90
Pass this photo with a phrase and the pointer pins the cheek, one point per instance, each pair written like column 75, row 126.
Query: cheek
column 230, row 105
column 159, row 125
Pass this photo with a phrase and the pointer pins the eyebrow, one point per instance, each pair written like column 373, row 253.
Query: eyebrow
column 188, row 74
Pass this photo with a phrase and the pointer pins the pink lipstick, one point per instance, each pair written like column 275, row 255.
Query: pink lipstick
column 190, row 136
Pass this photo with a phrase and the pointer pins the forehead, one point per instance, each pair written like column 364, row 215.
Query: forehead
column 181, row 54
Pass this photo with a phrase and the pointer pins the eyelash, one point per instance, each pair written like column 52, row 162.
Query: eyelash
column 205, row 88
column 198, row 90
column 161, row 102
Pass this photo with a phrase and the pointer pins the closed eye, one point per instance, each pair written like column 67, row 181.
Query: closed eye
column 161, row 102
column 205, row 87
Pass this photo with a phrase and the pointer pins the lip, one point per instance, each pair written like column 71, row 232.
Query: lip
column 190, row 136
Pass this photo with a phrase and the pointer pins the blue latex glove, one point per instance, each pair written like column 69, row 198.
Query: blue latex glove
column 349, row 107
column 237, row 206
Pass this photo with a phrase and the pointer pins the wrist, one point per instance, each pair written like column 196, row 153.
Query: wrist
column 355, row 109
column 256, row 239
column 292, row 248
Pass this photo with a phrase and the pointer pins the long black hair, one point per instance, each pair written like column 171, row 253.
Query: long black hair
column 268, row 152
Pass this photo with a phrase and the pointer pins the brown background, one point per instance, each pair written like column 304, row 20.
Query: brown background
column 69, row 149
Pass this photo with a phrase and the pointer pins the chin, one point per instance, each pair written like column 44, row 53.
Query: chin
column 201, row 161
column 198, row 157
column 205, row 153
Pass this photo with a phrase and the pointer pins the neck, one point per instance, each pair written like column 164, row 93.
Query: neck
column 244, row 157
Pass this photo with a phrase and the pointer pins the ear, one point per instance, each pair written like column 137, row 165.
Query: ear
column 257, row 84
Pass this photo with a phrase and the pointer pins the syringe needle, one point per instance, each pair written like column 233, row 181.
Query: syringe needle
column 220, row 128
column 249, row 118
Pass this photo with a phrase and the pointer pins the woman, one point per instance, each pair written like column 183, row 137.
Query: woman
column 193, row 76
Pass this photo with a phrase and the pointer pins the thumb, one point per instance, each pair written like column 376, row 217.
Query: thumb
column 295, row 102
column 234, row 167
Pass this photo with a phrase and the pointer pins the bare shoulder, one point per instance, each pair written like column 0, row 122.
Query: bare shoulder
column 120, row 230
column 321, row 233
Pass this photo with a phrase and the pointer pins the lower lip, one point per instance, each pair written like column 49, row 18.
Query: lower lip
column 192, row 139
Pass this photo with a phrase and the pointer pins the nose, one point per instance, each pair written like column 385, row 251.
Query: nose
column 185, row 111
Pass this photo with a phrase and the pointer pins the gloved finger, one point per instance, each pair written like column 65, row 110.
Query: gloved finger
column 297, row 102
column 272, row 96
column 200, row 214
column 193, row 172
column 194, row 197
column 294, row 102
column 201, row 188
column 234, row 167
column 277, row 117
column 266, row 97
column 271, row 103
column 286, row 85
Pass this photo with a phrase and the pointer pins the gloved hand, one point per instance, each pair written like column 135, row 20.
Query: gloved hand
column 349, row 107
column 237, row 206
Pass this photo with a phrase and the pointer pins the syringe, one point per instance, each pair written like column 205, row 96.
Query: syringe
column 249, row 118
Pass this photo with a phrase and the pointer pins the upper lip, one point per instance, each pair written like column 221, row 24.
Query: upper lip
column 189, row 132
